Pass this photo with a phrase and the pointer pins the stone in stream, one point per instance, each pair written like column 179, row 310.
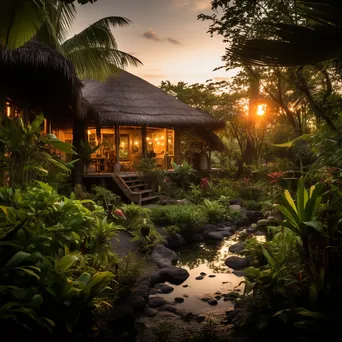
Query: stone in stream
column 237, row 248
column 141, row 293
column 168, row 307
column 173, row 275
column 166, row 289
column 239, row 273
column 199, row 278
column 203, row 274
column 149, row 312
column 209, row 228
column 226, row 233
column 185, row 296
column 166, row 314
column 206, row 298
column 154, row 291
column 250, row 230
column 213, row 302
column 155, row 302
column 175, row 240
column 259, row 233
column 138, row 303
column 217, row 297
column 163, row 256
column 218, row 292
column 179, row 300
column 185, row 285
column 212, row 276
column 237, row 263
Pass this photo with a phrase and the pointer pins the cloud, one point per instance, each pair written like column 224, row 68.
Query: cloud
column 150, row 34
column 195, row 5
column 173, row 41
column 153, row 35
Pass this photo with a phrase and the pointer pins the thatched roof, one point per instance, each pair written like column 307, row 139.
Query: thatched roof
column 39, row 78
column 129, row 100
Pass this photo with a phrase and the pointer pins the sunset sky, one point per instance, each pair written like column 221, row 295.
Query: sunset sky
column 165, row 35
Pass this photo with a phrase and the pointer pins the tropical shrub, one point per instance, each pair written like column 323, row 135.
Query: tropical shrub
column 214, row 210
column 56, row 264
column 136, row 216
column 187, row 218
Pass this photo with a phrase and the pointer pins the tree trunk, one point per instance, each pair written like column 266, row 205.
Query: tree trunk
column 79, row 138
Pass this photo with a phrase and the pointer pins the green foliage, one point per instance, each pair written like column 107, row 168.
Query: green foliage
column 181, row 174
column 26, row 155
column 105, row 197
column 136, row 216
column 214, row 210
column 56, row 262
column 150, row 173
column 187, row 218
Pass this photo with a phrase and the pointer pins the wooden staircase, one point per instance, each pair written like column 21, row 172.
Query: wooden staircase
column 134, row 188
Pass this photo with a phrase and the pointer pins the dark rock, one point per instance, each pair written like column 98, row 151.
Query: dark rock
column 166, row 289
column 166, row 314
column 237, row 248
column 154, row 291
column 185, row 285
column 187, row 316
column 163, row 256
column 196, row 237
column 175, row 240
column 168, row 307
column 250, row 230
column 212, row 302
column 209, row 228
column 215, row 236
column 218, row 292
column 122, row 318
column 226, row 233
column 149, row 312
column 179, row 300
column 259, row 233
column 239, row 273
column 235, row 201
column 217, row 297
column 155, row 278
column 199, row 278
column 138, row 303
column 206, row 298
column 203, row 274
column 200, row 318
column 140, row 293
column 173, row 275
column 221, row 225
column 235, row 207
column 262, row 223
column 185, row 295
column 212, row 275
column 156, row 302
column 237, row 262
column 158, row 285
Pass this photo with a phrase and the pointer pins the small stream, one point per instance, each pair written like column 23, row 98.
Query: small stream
column 208, row 258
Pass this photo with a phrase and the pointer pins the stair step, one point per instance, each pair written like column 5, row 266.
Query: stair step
column 149, row 198
column 136, row 186
column 141, row 192
column 131, row 180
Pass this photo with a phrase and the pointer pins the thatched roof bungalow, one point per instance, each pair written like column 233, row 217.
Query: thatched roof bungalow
column 133, row 119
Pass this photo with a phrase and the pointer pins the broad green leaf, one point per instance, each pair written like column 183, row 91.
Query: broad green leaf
column 67, row 262
column 16, row 260
column 270, row 260
column 292, row 142
column 62, row 146
column 315, row 225
column 28, row 271
column 36, row 124
column 290, row 201
column 36, row 301
column 4, row 209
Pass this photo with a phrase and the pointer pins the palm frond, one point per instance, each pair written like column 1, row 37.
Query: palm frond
column 297, row 45
column 99, row 63
column 97, row 34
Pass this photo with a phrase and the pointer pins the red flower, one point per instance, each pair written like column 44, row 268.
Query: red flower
column 275, row 176
column 166, row 180
column 119, row 213
column 204, row 184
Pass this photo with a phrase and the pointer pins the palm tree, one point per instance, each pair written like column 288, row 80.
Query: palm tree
column 297, row 44
column 93, row 52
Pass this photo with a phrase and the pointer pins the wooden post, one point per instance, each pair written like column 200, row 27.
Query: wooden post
column 26, row 116
column 144, row 142
column 177, row 147
column 79, row 138
column 117, row 144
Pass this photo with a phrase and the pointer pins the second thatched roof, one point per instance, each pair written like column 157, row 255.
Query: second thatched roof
column 129, row 100
column 38, row 78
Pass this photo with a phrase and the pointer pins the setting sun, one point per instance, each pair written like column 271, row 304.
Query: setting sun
column 261, row 109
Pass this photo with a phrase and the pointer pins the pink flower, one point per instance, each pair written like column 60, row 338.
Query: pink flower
column 119, row 213
column 166, row 180
column 275, row 176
